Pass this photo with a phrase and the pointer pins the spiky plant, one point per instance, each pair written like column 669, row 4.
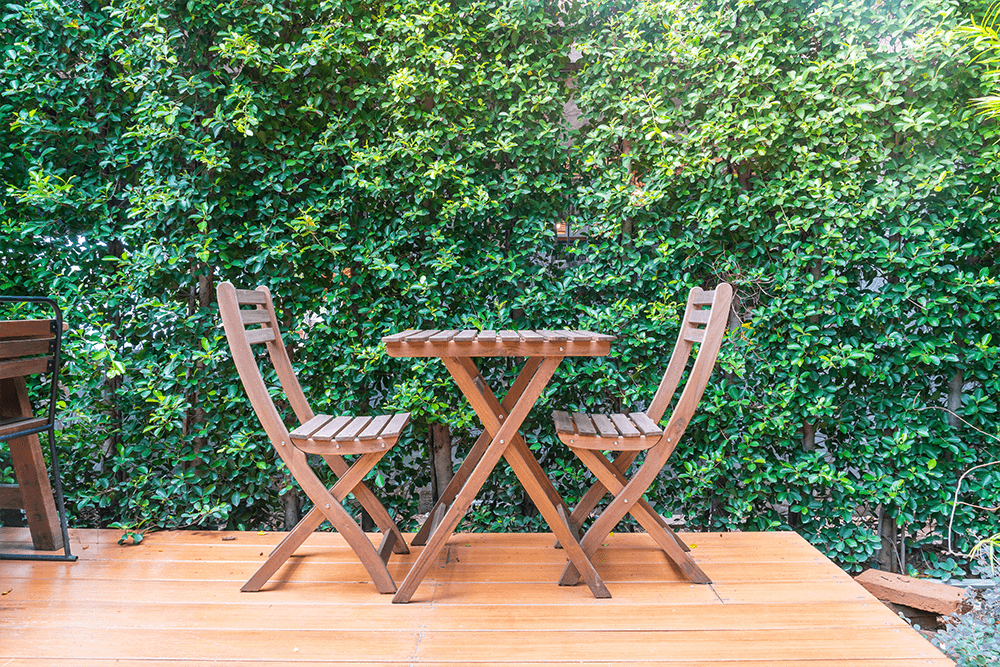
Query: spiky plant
column 984, row 40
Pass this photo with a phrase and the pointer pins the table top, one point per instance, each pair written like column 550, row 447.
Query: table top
column 488, row 343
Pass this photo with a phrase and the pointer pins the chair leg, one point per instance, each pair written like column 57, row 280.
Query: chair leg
column 385, row 547
column 597, row 491
column 368, row 500
column 327, row 506
column 612, row 479
column 281, row 553
column 594, row 495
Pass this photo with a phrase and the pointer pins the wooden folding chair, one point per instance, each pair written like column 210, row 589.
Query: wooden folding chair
column 705, row 319
column 333, row 438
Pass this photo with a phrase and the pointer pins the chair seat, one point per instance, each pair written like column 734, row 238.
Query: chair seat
column 620, row 432
column 326, row 434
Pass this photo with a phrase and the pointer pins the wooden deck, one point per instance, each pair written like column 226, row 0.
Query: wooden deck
column 175, row 600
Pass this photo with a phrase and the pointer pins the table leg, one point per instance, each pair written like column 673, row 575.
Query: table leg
column 501, row 410
column 558, row 520
column 476, row 453
column 538, row 486
column 498, row 445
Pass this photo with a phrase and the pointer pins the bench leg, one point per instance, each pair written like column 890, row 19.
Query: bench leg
column 29, row 468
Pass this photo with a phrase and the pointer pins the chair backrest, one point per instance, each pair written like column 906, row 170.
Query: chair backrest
column 29, row 347
column 235, row 321
column 705, row 319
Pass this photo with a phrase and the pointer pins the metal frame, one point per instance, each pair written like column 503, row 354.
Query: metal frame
column 51, row 428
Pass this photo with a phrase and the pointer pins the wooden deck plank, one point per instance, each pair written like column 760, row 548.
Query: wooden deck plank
column 681, row 646
column 259, row 645
column 214, row 592
column 250, row 613
column 223, row 592
column 86, row 662
column 509, row 540
column 467, row 553
column 490, row 599
column 302, row 569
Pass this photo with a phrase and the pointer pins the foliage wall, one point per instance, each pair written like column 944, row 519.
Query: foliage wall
column 384, row 166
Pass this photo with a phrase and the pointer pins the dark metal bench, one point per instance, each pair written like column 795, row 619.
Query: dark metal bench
column 27, row 348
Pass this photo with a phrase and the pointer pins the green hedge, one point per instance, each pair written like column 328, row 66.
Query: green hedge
column 390, row 165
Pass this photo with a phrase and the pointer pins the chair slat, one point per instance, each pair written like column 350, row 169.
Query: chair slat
column 11, row 349
column 604, row 426
column 702, row 297
column 350, row 432
column 507, row 335
column 257, row 316
column 248, row 296
column 564, row 424
column 22, row 367
column 374, row 427
column 646, row 425
column 465, row 335
column 26, row 329
column 625, row 426
column 305, row 431
column 487, row 334
column 264, row 335
column 583, row 424
column 395, row 425
column 694, row 335
column 531, row 335
column 700, row 316
column 327, row 433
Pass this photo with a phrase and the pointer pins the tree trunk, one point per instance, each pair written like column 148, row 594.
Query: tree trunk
column 442, row 467
column 955, row 398
column 888, row 536
column 290, row 503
